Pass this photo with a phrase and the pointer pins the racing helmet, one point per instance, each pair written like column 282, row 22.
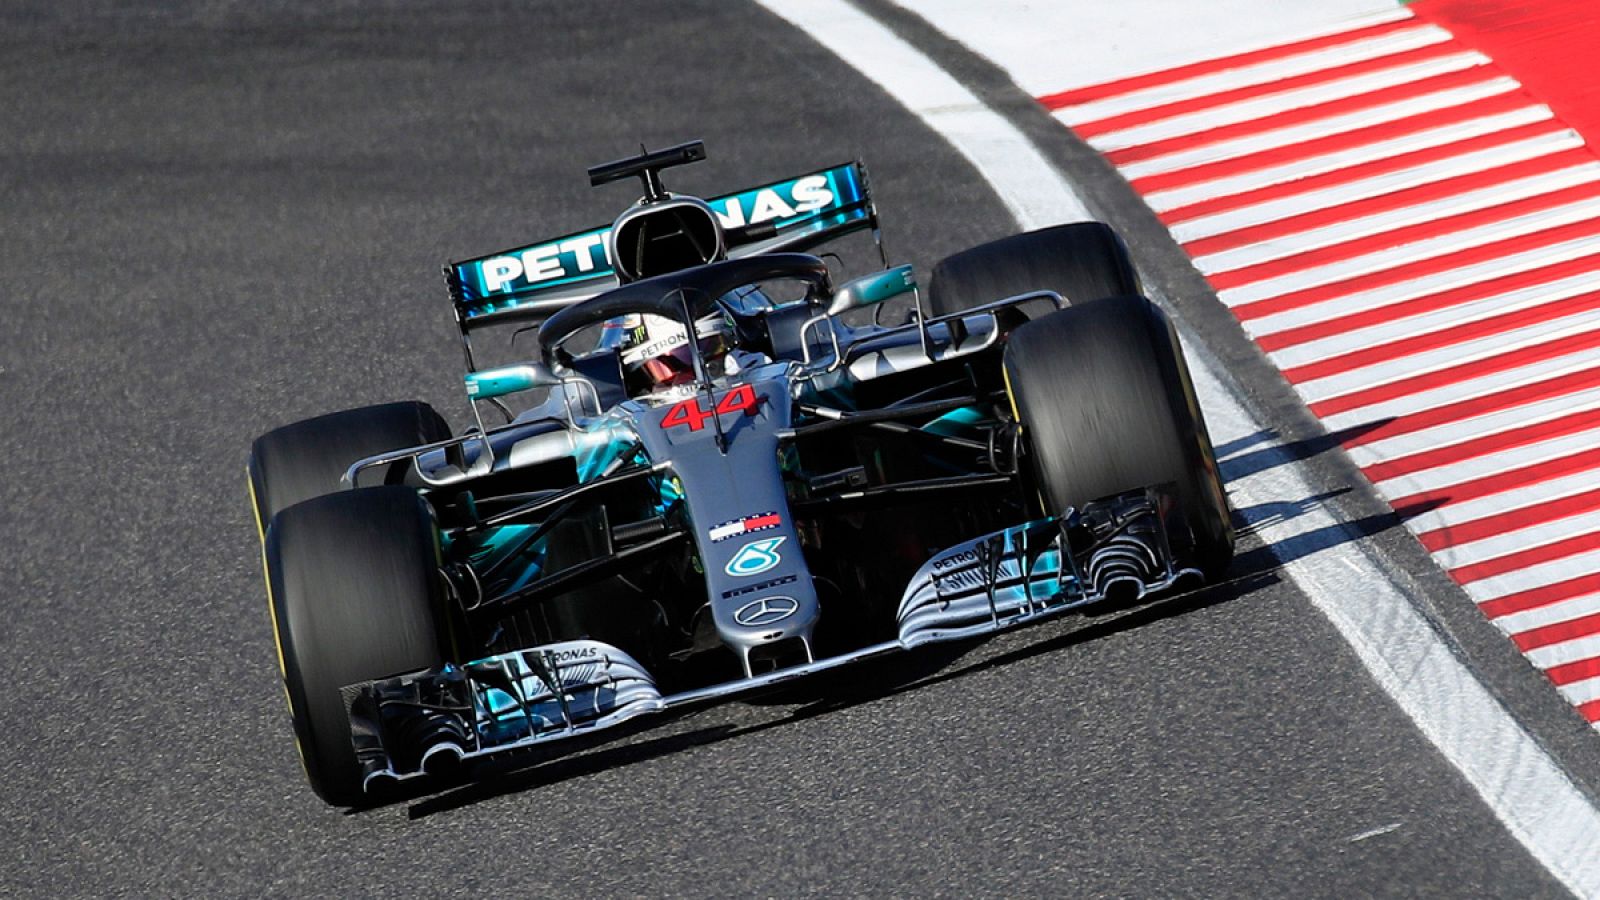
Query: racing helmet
column 656, row 354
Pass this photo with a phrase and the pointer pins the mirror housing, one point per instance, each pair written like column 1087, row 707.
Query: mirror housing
column 870, row 290
column 491, row 383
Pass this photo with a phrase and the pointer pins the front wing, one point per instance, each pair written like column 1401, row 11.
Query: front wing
column 432, row 721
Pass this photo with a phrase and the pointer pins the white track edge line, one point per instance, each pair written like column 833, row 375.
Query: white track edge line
column 1517, row 779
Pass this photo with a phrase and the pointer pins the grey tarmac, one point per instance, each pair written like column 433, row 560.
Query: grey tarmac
column 223, row 217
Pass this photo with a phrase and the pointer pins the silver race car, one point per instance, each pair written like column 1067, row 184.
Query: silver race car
column 723, row 466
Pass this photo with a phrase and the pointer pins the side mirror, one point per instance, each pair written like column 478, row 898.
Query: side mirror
column 491, row 383
column 869, row 290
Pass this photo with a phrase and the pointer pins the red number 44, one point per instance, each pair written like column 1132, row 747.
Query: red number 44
column 689, row 412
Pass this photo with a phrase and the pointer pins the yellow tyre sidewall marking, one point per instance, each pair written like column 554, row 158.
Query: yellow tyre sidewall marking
column 272, row 614
column 1016, row 415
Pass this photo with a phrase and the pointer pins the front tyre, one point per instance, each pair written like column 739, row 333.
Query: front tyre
column 355, row 594
column 307, row 459
column 1081, row 261
column 1106, row 406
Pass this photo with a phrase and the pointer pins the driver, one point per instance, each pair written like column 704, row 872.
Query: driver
column 656, row 354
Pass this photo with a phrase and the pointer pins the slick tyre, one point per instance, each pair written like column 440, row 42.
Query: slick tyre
column 307, row 459
column 355, row 594
column 1080, row 261
column 1106, row 406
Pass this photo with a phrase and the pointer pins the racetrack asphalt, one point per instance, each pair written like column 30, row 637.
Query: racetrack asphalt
column 225, row 217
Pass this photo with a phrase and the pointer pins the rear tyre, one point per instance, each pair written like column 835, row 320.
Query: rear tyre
column 1081, row 261
column 354, row 589
column 307, row 459
column 1106, row 405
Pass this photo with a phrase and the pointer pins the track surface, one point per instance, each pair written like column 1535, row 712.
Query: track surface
column 225, row 219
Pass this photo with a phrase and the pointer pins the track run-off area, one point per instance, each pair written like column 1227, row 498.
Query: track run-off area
column 227, row 218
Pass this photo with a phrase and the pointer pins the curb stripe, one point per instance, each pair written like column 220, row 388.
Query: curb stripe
column 1583, row 693
column 1513, row 562
column 1511, row 138
column 1494, row 487
column 1369, row 216
column 1525, row 518
column 1535, row 572
column 1522, row 395
column 1399, row 128
column 1430, row 56
column 1548, row 539
column 1524, row 436
column 1463, row 511
column 1422, row 241
column 1438, row 271
column 1475, row 341
column 1500, row 314
column 1520, row 277
column 1550, row 614
column 1574, row 671
column 1424, row 91
column 1273, row 163
column 1413, row 238
column 1525, row 172
column 1535, row 598
column 1506, row 137
column 1386, row 23
column 1394, row 40
column 1567, row 346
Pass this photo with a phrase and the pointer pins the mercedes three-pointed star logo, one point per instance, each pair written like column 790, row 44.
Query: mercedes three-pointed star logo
column 766, row 611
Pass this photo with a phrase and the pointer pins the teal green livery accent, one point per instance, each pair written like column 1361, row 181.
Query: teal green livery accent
column 491, row 383
column 870, row 290
column 592, row 461
column 955, row 422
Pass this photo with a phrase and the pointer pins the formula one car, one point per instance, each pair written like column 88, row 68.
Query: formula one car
column 730, row 475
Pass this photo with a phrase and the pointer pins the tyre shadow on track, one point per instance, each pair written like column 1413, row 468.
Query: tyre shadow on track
column 1260, row 452
column 1236, row 463
column 866, row 682
column 1306, row 543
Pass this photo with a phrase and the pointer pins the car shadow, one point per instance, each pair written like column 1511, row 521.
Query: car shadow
column 1236, row 462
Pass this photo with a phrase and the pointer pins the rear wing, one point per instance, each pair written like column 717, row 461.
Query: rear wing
column 534, row 281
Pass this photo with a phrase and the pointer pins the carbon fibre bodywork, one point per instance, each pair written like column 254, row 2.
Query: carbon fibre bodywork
column 738, row 500
column 820, row 493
